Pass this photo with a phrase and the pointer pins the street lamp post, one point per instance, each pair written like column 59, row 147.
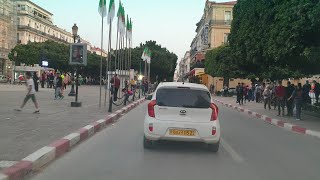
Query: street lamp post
column 15, row 54
column 75, row 37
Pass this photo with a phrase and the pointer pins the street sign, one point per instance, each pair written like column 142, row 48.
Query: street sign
column 78, row 54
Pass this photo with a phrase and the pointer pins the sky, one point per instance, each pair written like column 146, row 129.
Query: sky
column 171, row 23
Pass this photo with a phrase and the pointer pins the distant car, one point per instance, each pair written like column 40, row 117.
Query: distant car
column 230, row 90
column 3, row 79
column 182, row 112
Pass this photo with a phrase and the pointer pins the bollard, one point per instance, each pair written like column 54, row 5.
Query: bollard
column 110, row 104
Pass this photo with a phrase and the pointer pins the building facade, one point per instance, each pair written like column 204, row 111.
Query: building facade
column 35, row 24
column 213, row 29
column 96, row 50
column 184, row 66
column 8, row 33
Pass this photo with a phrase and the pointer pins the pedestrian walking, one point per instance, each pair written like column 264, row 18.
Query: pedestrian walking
column 316, row 90
column 58, row 87
column 43, row 79
column 238, row 93
column 297, row 96
column 267, row 97
column 36, row 81
column 306, row 90
column 280, row 94
column 289, row 102
column 115, row 85
column 245, row 93
column 30, row 94
column 258, row 93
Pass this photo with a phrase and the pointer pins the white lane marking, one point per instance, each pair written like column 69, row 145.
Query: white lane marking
column 235, row 156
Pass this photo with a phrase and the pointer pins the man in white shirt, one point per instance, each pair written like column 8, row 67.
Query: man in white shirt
column 30, row 94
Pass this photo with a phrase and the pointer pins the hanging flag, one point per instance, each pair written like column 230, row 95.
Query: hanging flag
column 103, row 8
column 128, row 26
column 119, row 17
column 121, row 20
column 130, row 30
column 149, row 57
column 144, row 54
column 111, row 11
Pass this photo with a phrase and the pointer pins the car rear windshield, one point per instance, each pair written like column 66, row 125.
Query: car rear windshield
column 183, row 97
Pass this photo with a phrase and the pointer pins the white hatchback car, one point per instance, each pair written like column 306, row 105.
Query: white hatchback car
column 182, row 112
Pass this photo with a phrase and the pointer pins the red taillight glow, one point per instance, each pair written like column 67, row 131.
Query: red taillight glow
column 150, row 127
column 215, row 111
column 151, row 108
column 214, row 131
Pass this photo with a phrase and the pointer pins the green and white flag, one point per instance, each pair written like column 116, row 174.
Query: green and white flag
column 103, row 8
column 111, row 11
column 149, row 57
column 129, row 29
column 145, row 54
column 121, row 20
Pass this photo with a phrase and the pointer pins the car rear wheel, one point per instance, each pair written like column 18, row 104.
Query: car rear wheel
column 214, row 147
column 147, row 144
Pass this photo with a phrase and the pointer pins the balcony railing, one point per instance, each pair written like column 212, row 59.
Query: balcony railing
column 220, row 22
column 42, row 33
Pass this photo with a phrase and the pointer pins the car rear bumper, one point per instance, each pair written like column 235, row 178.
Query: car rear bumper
column 161, row 131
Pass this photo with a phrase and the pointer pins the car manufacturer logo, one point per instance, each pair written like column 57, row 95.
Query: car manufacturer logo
column 183, row 111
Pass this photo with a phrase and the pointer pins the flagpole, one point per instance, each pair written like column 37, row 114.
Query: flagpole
column 149, row 75
column 101, row 60
column 127, row 57
column 115, row 68
column 119, row 65
column 108, row 66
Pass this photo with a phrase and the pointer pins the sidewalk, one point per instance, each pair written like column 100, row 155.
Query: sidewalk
column 308, row 122
column 21, row 133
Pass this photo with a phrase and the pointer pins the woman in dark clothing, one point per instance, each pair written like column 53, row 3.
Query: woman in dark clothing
column 297, row 95
column 35, row 81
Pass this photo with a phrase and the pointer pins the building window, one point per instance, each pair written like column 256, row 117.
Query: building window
column 18, row 37
column 18, row 21
column 227, row 17
column 23, row 7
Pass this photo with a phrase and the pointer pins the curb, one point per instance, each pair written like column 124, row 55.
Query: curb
column 276, row 122
column 56, row 149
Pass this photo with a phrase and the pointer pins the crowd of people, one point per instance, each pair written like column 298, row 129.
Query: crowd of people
column 275, row 94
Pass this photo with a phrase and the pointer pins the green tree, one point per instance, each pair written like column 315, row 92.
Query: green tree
column 220, row 62
column 163, row 62
column 276, row 39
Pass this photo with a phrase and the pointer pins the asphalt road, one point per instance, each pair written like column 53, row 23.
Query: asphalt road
column 251, row 150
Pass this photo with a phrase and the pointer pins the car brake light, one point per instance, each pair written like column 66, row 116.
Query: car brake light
column 151, row 108
column 214, row 131
column 215, row 111
column 150, row 127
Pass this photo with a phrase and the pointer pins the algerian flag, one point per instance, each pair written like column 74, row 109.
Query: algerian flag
column 144, row 54
column 149, row 57
column 111, row 12
column 121, row 20
column 129, row 29
column 103, row 8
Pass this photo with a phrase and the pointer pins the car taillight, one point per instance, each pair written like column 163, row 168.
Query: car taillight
column 151, row 108
column 150, row 127
column 215, row 111
column 214, row 131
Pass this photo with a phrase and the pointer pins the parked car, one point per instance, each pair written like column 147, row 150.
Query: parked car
column 182, row 112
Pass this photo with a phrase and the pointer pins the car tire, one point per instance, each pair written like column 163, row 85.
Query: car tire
column 214, row 147
column 147, row 144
